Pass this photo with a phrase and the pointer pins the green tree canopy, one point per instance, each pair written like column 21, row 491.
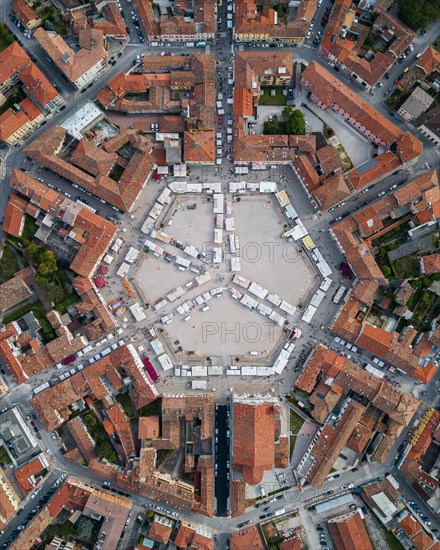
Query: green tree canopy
column 47, row 263
column 271, row 127
column 296, row 124
column 418, row 14
column 287, row 111
column 33, row 250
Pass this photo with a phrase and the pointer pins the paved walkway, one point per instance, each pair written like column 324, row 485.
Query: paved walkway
column 303, row 439
column 358, row 148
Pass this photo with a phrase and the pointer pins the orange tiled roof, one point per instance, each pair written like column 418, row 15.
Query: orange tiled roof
column 430, row 264
column 375, row 339
column 184, row 536
column 254, row 433
column 11, row 362
column 247, row 538
column 12, row 120
column 123, row 429
column 347, row 52
column 329, row 158
column 17, row 289
column 159, row 532
column 53, row 404
column 9, row 500
column 148, row 427
column 384, row 164
column 111, row 23
column 332, row 93
column 73, row 64
column 425, row 373
column 333, row 191
column 422, row 541
column 38, row 85
column 203, row 21
column 13, row 60
column 13, row 219
column 200, row 542
column 199, row 146
column 24, row 12
column 256, row 18
column 38, row 193
column 349, row 533
column 122, row 194
column 28, row 470
column 159, row 77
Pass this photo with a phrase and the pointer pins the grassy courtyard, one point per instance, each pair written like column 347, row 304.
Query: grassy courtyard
column 8, row 264
column 126, row 403
column 268, row 99
column 6, row 38
column 406, row 267
column 104, row 447
column 152, row 409
column 4, row 456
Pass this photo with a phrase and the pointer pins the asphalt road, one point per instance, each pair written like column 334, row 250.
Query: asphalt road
column 222, row 457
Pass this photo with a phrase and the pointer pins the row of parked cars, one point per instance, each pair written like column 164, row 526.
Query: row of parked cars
column 37, row 507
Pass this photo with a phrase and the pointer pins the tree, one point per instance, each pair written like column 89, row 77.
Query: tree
column 52, row 290
column 47, row 263
column 271, row 127
column 296, row 124
column 386, row 271
column 33, row 250
column 287, row 111
column 418, row 14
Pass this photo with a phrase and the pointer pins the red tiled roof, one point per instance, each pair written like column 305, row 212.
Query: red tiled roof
column 13, row 221
column 24, row 12
column 430, row 264
column 74, row 64
column 332, row 93
column 13, row 59
column 28, row 470
column 111, row 23
column 159, row 532
column 122, row 194
column 148, row 427
column 184, row 536
column 254, row 433
column 199, row 146
column 349, row 533
column 247, row 539
column 12, row 120
column 38, row 85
